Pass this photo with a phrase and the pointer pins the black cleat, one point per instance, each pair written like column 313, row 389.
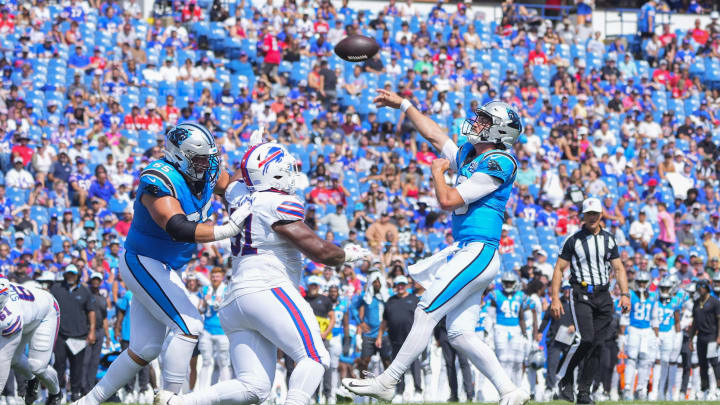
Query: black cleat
column 566, row 392
column 55, row 399
column 584, row 399
column 31, row 391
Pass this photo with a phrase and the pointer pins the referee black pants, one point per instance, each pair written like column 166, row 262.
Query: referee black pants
column 592, row 314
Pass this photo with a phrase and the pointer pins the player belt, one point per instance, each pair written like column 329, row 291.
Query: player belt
column 591, row 289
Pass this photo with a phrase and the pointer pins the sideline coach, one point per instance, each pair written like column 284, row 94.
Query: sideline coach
column 590, row 252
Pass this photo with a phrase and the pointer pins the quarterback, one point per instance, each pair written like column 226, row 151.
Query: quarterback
column 485, row 175
column 173, row 203
column 263, row 310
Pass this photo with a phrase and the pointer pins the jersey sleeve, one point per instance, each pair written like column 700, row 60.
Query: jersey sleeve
column 289, row 209
column 236, row 192
column 450, row 152
column 499, row 165
column 567, row 249
column 156, row 183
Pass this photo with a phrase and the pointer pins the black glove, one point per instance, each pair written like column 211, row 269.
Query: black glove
column 346, row 345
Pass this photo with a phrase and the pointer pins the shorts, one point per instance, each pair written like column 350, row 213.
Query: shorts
column 369, row 348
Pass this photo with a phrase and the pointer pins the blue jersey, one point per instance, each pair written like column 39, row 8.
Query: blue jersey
column 340, row 308
column 211, row 321
column 640, row 311
column 145, row 237
column 480, row 327
column 507, row 308
column 664, row 314
column 481, row 220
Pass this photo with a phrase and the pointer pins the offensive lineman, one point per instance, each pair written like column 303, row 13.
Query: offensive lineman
column 263, row 309
column 173, row 203
column 28, row 316
column 486, row 172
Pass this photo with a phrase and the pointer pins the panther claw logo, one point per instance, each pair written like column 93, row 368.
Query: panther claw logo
column 178, row 135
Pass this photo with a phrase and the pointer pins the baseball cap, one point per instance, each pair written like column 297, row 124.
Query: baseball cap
column 89, row 224
column 47, row 275
column 70, row 268
column 97, row 275
column 542, row 252
column 400, row 280
column 652, row 182
column 19, row 235
column 314, row 280
column 18, row 159
column 591, row 204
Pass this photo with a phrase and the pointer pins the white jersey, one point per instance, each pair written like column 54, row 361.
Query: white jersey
column 262, row 259
column 26, row 308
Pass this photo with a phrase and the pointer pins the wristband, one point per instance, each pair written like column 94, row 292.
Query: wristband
column 405, row 105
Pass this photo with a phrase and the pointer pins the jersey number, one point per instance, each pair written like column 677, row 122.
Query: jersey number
column 510, row 310
column 464, row 209
column 641, row 312
column 4, row 314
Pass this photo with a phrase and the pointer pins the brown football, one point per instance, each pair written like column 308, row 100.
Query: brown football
column 356, row 48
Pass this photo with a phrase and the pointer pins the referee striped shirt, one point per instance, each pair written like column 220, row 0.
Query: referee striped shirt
column 589, row 256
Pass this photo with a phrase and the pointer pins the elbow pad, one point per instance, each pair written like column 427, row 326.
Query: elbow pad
column 180, row 229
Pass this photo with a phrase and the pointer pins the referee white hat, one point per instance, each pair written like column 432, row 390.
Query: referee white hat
column 591, row 205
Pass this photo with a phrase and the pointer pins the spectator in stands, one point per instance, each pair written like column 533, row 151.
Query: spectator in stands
column 641, row 232
column 18, row 176
column 337, row 222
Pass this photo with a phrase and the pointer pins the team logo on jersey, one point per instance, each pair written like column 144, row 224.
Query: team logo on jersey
column 178, row 135
column 494, row 166
column 275, row 154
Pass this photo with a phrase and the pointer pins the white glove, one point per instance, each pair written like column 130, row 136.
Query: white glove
column 354, row 253
column 235, row 221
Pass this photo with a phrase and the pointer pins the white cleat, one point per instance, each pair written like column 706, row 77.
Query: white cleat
column 167, row 398
column 515, row 397
column 368, row 387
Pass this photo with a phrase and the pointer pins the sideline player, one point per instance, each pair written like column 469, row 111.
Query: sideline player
column 263, row 309
column 509, row 303
column 173, row 203
column 214, row 344
column 640, row 338
column 29, row 316
column 486, row 172
column 666, row 323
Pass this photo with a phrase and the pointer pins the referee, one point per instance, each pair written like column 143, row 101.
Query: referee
column 590, row 252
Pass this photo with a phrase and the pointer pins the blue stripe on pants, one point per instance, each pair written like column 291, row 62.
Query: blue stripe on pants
column 152, row 288
column 463, row 278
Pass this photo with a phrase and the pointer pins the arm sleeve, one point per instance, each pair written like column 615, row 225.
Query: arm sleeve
column 449, row 151
column 478, row 186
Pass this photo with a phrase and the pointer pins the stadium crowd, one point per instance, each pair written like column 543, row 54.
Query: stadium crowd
column 88, row 88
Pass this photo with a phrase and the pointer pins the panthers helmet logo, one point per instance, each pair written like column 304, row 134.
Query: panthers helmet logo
column 514, row 120
column 178, row 135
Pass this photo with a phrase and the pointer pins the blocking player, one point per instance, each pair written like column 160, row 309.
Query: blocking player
column 263, row 309
column 172, row 206
column 486, row 172
column 29, row 316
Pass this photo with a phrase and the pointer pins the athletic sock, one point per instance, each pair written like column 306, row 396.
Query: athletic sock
column 231, row 391
column 122, row 369
column 414, row 344
column 176, row 361
column 484, row 359
column 630, row 366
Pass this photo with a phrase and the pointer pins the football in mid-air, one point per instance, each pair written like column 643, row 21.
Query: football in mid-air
column 356, row 48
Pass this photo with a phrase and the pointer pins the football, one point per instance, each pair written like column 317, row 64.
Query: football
column 356, row 48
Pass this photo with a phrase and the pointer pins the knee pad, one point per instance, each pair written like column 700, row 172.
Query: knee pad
column 324, row 357
column 146, row 350
column 37, row 366
column 223, row 358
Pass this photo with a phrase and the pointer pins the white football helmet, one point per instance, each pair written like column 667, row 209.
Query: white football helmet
column 495, row 122
column 642, row 281
column 4, row 292
column 191, row 148
column 666, row 288
column 510, row 282
column 269, row 166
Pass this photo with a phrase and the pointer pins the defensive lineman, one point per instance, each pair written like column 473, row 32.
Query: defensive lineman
column 486, row 172
column 28, row 315
column 263, row 309
column 172, row 205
